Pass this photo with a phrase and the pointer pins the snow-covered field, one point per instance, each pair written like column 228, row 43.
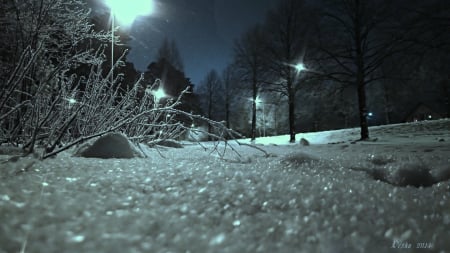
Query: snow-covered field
column 287, row 198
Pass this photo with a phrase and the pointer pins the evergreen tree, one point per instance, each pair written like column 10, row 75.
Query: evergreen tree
column 169, row 52
column 173, row 82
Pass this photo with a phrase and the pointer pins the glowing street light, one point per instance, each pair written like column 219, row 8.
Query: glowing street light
column 126, row 12
column 158, row 94
column 259, row 101
column 71, row 101
column 299, row 67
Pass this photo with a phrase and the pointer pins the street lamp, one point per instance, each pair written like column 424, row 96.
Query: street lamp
column 299, row 67
column 126, row 12
column 259, row 101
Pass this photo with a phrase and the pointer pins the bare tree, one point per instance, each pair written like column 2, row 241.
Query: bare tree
column 357, row 37
column 250, row 63
column 169, row 51
column 229, row 81
column 287, row 29
column 431, row 19
column 49, row 38
column 209, row 91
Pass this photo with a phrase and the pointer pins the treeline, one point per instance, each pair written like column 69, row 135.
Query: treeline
column 318, row 65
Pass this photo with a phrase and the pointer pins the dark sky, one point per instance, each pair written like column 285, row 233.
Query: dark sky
column 204, row 31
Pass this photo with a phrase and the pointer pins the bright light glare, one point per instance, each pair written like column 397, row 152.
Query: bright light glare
column 257, row 100
column 159, row 93
column 71, row 100
column 299, row 67
column 126, row 11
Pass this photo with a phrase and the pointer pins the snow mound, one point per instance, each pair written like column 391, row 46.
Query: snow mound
column 111, row 145
column 413, row 175
column 168, row 143
column 298, row 158
column 408, row 174
column 10, row 150
column 304, row 142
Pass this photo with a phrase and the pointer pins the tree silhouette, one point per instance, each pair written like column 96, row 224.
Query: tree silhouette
column 249, row 62
column 287, row 29
column 356, row 39
column 170, row 53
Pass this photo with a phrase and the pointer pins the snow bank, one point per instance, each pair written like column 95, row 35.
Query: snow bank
column 296, row 199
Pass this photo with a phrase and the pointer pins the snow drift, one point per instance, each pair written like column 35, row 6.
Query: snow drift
column 111, row 145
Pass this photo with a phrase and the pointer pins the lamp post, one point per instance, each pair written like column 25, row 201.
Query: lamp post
column 291, row 82
column 259, row 101
column 126, row 13
column 112, row 46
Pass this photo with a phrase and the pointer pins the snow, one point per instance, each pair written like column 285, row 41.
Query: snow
column 289, row 198
column 110, row 145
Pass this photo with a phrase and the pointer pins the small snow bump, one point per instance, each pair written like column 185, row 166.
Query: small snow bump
column 311, row 239
column 5, row 198
column 292, row 202
column 217, row 240
column 71, row 180
column 388, row 233
column 184, row 209
column 406, row 235
column 359, row 207
column 306, row 219
column 236, row 223
column 77, row 238
column 446, row 219
column 19, row 204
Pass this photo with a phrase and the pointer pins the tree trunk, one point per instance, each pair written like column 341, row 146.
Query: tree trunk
column 227, row 113
column 255, row 92
column 363, row 111
column 210, row 113
column 291, row 101
column 446, row 91
column 360, row 75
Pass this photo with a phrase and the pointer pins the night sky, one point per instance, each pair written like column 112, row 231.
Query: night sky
column 204, row 31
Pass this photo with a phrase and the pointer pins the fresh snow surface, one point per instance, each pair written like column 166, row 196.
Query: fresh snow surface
column 286, row 198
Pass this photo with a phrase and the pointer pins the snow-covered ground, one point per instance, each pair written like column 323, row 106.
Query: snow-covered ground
column 286, row 198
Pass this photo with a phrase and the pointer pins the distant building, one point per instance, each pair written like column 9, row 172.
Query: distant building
column 422, row 112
